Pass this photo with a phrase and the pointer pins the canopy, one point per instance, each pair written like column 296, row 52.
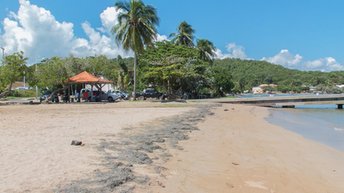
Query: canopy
column 87, row 78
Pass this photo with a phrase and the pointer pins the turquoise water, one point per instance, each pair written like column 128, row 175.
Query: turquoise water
column 322, row 123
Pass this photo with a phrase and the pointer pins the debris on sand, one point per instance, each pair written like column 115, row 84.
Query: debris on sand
column 129, row 150
column 76, row 143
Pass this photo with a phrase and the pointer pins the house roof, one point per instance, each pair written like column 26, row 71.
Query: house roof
column 85, row 77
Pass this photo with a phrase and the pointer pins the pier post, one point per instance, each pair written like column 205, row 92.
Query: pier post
column 340, row 106
column 288, row 106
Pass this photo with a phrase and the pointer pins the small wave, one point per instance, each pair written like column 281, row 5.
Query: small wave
column 338, row 129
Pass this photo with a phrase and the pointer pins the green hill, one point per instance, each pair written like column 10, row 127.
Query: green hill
column 250, row 73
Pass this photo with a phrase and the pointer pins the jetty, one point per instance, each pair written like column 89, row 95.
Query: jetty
column 289, row 101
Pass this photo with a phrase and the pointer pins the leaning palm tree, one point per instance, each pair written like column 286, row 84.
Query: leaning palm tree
column 184, row 36
column 136, row 28
column 206, row 50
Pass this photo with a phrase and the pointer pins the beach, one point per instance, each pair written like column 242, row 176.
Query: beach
column 36, row 155
column 239, row 151
column 157, row 147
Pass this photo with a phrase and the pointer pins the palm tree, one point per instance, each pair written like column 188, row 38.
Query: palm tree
column 136, row 28
column 185, row 35
column 206, row 50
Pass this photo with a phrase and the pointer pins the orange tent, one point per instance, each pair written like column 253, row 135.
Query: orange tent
column 87, row 78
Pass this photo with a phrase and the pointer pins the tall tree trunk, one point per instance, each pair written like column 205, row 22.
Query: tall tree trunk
column 10, row 87
column 135, row 64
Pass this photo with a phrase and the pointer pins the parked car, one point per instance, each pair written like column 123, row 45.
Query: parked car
column 112, row 96
column 98, row 96
column 122, row 94
column 151, row 93
column 46, row 94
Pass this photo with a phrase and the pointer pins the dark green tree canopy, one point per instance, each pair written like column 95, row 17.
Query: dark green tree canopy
column 206, row 50
column 184, row 36
column 13, row 69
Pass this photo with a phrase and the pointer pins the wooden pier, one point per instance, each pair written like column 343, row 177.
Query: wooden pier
column 289, row 101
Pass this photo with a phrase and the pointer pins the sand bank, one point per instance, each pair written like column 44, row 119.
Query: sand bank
column 239, row 151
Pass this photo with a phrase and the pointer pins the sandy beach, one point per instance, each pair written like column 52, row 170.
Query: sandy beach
column 36, row 155
column 155, row 147
column 239, row 151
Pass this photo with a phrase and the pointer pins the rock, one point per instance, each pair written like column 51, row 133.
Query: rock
column 225, row 110
column 236, row 164
column 76, row 143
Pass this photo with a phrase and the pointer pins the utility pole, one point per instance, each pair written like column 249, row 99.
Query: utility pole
column 36, row 68
column 36, row 82
column 24, row 80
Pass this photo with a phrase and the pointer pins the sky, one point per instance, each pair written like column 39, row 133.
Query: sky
column 297, row 34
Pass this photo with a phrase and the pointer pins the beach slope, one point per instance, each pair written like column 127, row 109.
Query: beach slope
column 237, row 150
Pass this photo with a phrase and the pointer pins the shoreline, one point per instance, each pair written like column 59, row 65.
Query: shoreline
column 321, row 125
column 195, row 147
column 239, row 151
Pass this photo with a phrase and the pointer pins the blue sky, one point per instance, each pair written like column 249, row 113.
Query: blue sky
column 307, row 35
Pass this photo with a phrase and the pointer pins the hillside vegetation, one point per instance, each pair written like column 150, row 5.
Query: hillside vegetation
column 250, row 73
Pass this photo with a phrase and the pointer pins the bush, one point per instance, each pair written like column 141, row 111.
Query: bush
column 22, row 93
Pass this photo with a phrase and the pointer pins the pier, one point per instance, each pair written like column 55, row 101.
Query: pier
column 289, row 101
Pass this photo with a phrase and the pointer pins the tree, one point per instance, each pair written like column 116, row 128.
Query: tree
column 174, row 68
column 222, row 79
column 206, row 50
column 184, row 36
column 136, row 28
column 52, row 73
column 123, row 73
column 13, row 69
column 3, row 83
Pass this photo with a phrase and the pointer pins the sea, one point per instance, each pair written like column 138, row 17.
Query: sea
column 322, row 123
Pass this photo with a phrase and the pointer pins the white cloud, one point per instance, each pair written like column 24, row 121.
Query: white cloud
column 36, row 32
column 233, row 51
column 296, row 61
column 160, row 38
column 97, row 43
column 285, row 58
column 324, row 64
column 109, row 18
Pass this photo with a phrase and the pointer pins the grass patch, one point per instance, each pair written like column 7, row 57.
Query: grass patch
column 21, row 94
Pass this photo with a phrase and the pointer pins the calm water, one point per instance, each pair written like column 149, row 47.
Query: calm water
column 323, row 123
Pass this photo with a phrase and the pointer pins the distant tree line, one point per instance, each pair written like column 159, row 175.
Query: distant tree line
column 250, row 73
column 174, row 69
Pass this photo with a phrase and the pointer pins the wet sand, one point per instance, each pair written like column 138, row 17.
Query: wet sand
column 154, row 147
column 239, row 151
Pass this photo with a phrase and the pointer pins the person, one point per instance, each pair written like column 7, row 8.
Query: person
column 77, row 96
column 85, row 95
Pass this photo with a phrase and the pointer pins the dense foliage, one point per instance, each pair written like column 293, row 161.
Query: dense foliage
column 250, row 73
column 13, row 69
column 174, row 69
column 53, row 73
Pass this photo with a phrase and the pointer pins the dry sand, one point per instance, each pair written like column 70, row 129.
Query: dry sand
column 239, row 151
column 152, row 147
column 35, row 150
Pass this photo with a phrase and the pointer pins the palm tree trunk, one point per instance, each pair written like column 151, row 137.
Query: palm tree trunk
column 135, row 64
